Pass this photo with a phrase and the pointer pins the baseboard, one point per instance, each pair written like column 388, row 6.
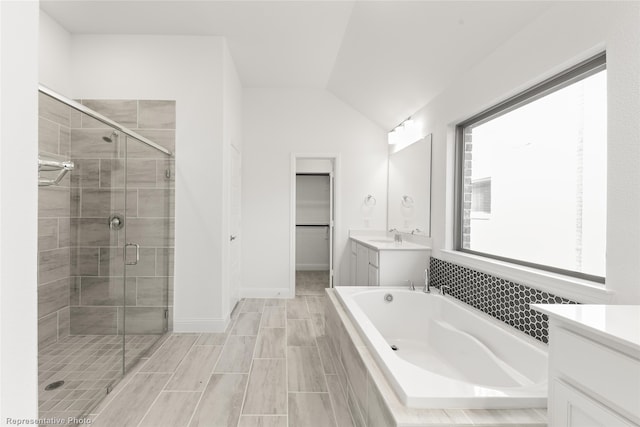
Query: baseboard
column 265, row 293
column 200, row 325
column 312, row 267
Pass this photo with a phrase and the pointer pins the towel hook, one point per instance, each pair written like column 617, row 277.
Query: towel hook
column 407, row 201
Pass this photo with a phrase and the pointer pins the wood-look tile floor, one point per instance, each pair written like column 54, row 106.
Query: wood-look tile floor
column 269, row 369
column 312, row 282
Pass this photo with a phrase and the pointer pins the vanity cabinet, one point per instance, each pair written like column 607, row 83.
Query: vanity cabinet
column 387, row 266
column 362, row 265
column 594, row 365
column 572, row 408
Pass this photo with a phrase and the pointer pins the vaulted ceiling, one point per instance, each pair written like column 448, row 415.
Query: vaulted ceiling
column 386, row 59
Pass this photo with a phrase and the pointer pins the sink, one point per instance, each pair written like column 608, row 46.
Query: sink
column 380, row 240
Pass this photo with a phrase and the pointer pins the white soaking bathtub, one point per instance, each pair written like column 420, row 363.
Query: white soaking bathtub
column 448, row 355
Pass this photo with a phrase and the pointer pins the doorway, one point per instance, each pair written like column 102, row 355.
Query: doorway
column 314, row 226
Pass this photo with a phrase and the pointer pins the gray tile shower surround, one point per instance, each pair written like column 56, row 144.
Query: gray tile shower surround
column 97, row 190
column 79, row 292
column 80, row 295
column 505, row 300
column 54, row 245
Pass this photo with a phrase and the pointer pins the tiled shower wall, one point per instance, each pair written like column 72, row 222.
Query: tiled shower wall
column 505, row 300
column 53, row 225
column 79, row 289
column 97, row 191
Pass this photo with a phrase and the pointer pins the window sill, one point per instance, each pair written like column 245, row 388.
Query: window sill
column 579, row 290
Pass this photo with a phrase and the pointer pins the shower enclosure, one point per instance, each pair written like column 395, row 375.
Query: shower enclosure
column 105, row 243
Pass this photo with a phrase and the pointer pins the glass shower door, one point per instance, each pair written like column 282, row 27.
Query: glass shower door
column 105, row 243
column 148, row 247
column 97, row 293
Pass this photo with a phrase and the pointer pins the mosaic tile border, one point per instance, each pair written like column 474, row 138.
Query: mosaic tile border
column 505, row 300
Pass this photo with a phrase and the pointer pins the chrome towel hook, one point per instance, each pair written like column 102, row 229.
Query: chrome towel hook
column 407, row 201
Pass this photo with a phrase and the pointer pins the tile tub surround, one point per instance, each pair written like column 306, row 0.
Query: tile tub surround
column 97, row 288
column 371, row 400
column 194, row 380
column 505, row 300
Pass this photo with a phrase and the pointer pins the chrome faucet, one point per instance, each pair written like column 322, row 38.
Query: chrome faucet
column 412, row 287
column 427, row 286
column 444, row 289
column 416, row 230
column 397, row 237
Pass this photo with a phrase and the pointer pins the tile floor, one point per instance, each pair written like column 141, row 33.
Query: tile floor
column 271, row 368
column 87, row 364
column 311, row 282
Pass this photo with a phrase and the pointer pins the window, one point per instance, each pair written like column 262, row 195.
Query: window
column 481, row 196
column 531, row 176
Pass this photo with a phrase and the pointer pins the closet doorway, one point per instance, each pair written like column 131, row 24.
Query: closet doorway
column 314, row 225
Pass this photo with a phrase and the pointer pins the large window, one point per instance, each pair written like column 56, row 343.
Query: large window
column 532, row 176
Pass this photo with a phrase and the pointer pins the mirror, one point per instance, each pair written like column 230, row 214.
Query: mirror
column 409, row 192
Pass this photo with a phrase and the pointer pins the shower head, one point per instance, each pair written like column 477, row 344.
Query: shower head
column 111, row 137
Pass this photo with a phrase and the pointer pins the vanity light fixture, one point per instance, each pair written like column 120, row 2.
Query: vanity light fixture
column 405, row 133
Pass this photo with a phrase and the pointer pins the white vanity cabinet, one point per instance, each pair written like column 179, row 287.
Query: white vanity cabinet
column 594, row 365
column 362, row 265
column 375, row 263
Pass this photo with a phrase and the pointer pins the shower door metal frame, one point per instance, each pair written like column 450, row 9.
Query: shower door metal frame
column 85, row 110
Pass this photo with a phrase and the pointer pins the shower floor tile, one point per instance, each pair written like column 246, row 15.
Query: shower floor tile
column 87, row 364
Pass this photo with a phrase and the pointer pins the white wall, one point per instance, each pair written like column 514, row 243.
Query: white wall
column 54, row 47
column 278, row 122
column 190, row 70
column 566, row 34
column 18, row 209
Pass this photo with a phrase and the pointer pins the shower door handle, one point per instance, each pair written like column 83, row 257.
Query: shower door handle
column 135, row 245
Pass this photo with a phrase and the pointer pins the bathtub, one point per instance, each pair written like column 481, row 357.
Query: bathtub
column 446, row 354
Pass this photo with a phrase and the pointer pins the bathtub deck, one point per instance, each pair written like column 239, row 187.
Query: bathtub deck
column 371, row 399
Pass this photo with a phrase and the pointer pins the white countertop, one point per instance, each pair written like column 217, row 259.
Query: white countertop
column 620, row 323
column 383, row 243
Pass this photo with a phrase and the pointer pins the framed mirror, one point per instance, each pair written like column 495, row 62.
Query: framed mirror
column 409, row 188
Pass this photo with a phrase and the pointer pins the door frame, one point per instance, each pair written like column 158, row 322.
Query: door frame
column 292, row 216
column 234, row 293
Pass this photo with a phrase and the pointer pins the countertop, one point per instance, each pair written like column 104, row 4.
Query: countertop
column 619, row 323
column 383, row 243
